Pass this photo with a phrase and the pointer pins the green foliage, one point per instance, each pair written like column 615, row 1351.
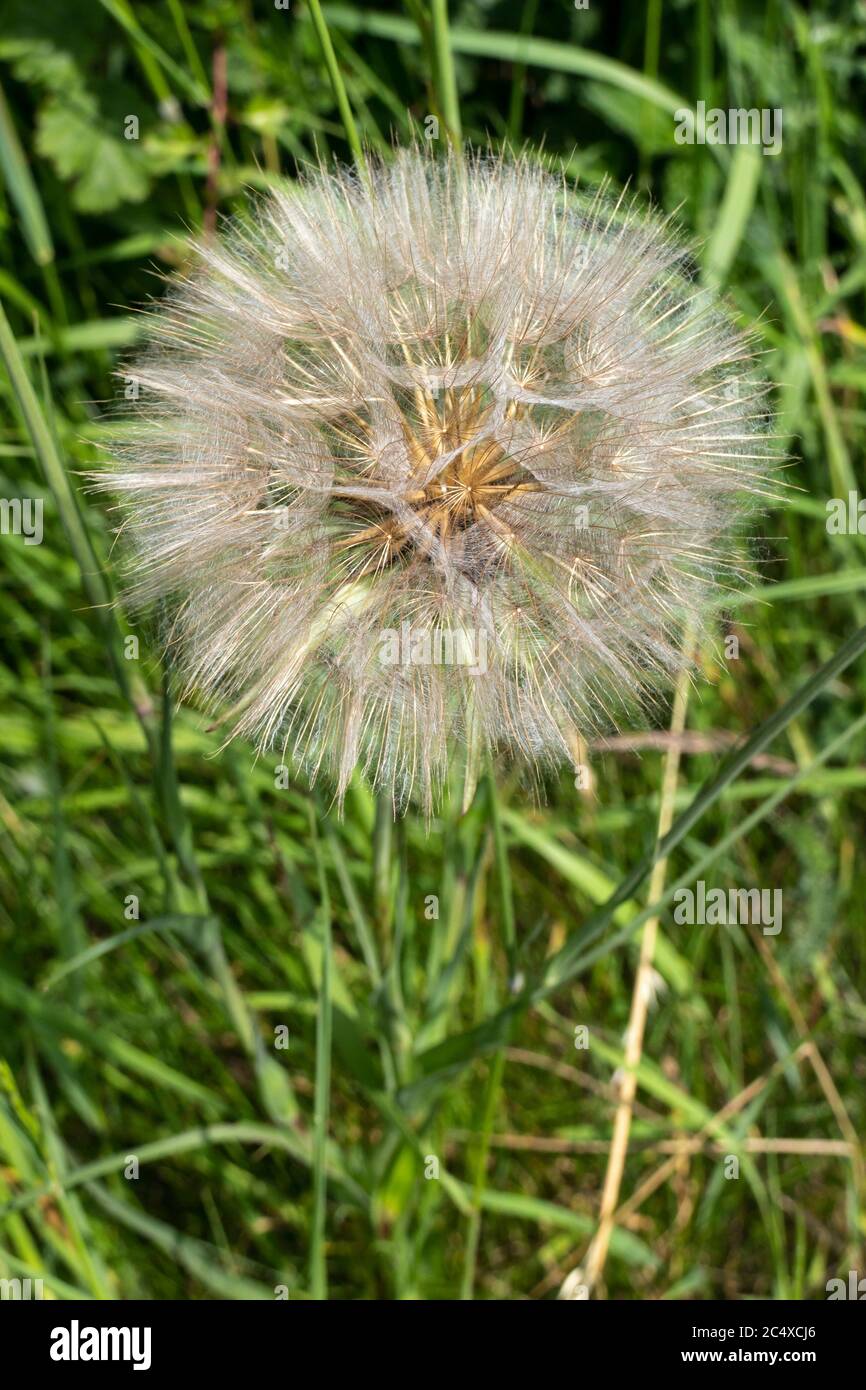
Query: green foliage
column 419, row 1033
column 79, row 134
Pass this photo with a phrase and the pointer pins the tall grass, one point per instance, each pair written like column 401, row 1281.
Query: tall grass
column 170, row 915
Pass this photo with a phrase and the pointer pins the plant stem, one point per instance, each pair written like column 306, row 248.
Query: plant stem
column 446, row 79
column 337, row 84
column 497, row 1065
column 321, row 1105
column 642, row 992
column 473, row 1229
column 503, row 873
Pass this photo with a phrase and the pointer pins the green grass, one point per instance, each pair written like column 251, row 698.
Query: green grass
column 169, row 910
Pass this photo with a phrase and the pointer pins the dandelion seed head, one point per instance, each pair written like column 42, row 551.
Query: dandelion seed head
column 455, row 398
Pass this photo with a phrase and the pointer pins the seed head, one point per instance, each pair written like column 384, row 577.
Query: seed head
column 443, row 456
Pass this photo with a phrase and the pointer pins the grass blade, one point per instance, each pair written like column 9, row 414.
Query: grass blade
column 318, row 1265
column 22, row 189
column 446, row 79
column 337, row 84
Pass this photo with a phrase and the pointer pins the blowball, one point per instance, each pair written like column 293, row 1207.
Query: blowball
column 444, row 457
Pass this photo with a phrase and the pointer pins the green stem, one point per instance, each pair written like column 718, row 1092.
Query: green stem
column 652, row 42
column 446, row 79
column 321, row 1105
column 518, row 76
column 473, row 1228
column 497, row 1066
column 503, row 873
column 337, row 84
column 383, row 890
